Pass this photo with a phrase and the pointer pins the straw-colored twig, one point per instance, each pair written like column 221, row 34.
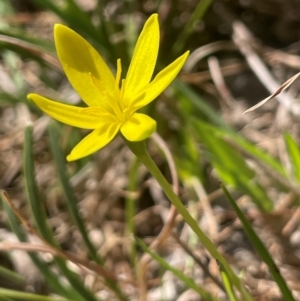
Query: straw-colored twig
column 217, row 77
column 243, row 39
column 47, row 57
column 283, row 87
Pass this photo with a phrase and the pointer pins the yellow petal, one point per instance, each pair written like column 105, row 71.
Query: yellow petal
column 85, row 118
column 94, row 141
column 138, row 127
column 144, row 58
column 159, row 83
column 79, row 59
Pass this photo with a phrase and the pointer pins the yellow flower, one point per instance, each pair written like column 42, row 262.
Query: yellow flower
column 112, row 103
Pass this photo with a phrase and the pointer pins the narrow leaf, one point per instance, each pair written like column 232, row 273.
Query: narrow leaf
column 260, row 248
column 72, row 203
column 40, row 217
column 189, row 282
column 50, row 277
column 294, row 154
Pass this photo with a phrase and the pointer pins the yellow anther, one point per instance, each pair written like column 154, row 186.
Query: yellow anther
column 110, row 101
column 118, row 74
column 95, row 111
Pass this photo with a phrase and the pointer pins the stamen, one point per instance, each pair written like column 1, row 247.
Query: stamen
column 115, row 107
column 101, row 113
column 134, row 104
column 95, row 111
column 118, row 74
column 110, row 101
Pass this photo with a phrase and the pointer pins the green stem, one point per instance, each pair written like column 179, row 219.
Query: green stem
column 139, row 149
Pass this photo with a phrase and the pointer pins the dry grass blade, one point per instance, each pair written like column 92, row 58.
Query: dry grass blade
column 283, row 87
column 218, row 79
column 29, row 247
column 244, row 39
column 206, row 50
column 203, row 198
column 82, row 263
column 47, row 57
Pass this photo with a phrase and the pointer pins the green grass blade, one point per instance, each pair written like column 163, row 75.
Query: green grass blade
column 36, row 205
column 194, row 107
column 189, row 282
column 254, row 151
column 191, row 104
column 18, row 295
column 81, row 22
column 71, row 13
column 7, row 99
column 12, row 276
column 261, row 249
column 70, row 197
column 227, row 284
column 40, row 217
column 50, row 277
column 22, row 39
column 230, row 165
column 294, row 154
column 196, row 16
column 5, row 299
column 72, row 202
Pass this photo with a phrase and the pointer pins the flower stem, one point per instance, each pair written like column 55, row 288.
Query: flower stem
column 139, row 149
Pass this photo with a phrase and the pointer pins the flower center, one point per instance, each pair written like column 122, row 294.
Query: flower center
column 114, row 106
